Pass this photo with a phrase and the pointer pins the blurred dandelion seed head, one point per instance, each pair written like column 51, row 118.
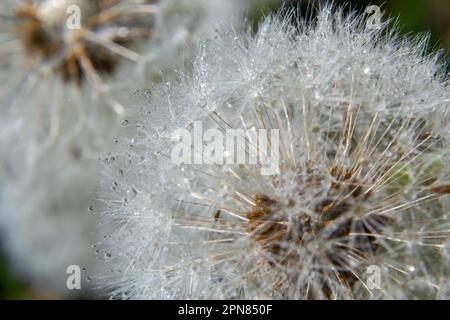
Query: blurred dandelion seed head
column 105, row 27
column 64, row 89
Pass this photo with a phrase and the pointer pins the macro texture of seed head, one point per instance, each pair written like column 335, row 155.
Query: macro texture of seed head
column 363, row 181
column 63, row 91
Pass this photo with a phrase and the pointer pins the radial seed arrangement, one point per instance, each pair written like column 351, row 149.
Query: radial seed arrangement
column 362, row 180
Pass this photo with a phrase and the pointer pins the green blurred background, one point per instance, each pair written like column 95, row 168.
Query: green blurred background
column 415, row 16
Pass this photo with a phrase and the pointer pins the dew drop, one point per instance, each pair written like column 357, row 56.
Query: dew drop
column 447, row 250
column 131, row 193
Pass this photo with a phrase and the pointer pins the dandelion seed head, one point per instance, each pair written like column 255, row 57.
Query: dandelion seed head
column 362, row 117
column 89, row 45
column 63, row 91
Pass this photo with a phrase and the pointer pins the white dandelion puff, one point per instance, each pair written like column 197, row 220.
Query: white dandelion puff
column 63, row 91
column 363, row 181
column 58, row 111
